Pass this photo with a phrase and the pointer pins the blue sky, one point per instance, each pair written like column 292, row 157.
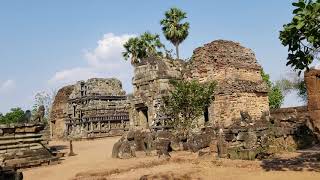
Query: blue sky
column 47, row 44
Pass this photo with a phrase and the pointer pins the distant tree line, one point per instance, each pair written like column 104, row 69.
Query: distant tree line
column 18, row 115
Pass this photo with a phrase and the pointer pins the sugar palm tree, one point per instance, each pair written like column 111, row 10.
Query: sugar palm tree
column 141, row 47
column 152, row 43
column 134, row 50
column 175, row 31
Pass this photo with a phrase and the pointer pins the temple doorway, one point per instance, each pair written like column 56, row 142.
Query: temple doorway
column 143, row 116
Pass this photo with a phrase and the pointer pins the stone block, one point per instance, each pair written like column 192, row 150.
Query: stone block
column 314, row 102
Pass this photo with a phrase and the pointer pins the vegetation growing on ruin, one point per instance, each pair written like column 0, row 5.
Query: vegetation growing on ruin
column 187, row 102
column 275, row 94
column 144, row 46
column 15, row 115
column 173, row 29
column 302, row 34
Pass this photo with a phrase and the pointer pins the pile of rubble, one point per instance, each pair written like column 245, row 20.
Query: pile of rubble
column 246, row 139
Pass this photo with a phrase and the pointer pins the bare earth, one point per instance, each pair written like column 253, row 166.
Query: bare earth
column 93, row 162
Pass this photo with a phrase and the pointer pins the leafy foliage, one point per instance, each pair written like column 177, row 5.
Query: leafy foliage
column 187, row 102
column 173, row 29
column 275, row 97
column 15, row 115
column 275, row 94
column 141, row 47
column 302, row 34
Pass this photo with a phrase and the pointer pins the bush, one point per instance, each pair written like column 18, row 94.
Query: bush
column 15, row 115
column 187, row 102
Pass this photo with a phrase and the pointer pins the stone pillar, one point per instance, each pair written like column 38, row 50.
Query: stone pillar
column 312, row 80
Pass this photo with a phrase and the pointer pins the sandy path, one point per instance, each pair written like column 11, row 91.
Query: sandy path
column 93, row 161
column 90, row 154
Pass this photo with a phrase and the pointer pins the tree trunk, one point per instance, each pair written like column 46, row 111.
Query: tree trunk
column 177, row 50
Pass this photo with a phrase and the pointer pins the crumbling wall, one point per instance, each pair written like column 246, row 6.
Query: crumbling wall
column 59, row 112
column 23, row 145
column 296, row 124
column 237, row 73
column 97, row 107
column 312, row 80
column 151, row 82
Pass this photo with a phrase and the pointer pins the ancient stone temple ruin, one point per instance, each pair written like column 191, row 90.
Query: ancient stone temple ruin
column 150, row 84
column 95, row 108
column 240, row 87
column 238, row 76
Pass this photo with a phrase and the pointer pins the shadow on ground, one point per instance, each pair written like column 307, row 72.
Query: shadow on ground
column 308, row 160
column 59, row 147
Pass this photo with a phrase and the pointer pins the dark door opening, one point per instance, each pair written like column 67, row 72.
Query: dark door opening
column 206, row 115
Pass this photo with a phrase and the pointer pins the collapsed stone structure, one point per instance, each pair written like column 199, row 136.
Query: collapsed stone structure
column 235, row 69
column 239, row 83
column 24, row 145
column 59, row 112
column 95, row 108
column 247, row 138
column 150, row 84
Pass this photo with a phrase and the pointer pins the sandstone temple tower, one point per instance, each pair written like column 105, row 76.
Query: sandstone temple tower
column 95, row 108
column 237, row 73
column 150, row 84
column 99, row 107
column 240, row 87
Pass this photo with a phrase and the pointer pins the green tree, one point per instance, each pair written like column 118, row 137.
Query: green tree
column 187, row 102
column 15, row 115
column 302, row 34
column 173, row 29
column 141, row 47
column 275, row 94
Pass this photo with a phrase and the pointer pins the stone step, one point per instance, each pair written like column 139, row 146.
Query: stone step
column 19, row 141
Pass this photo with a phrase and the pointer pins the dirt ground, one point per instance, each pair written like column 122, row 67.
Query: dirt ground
column 93, row 162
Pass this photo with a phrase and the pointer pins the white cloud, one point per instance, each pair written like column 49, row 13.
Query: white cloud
column 103, row 61
column 72, row 75
column 7, row 86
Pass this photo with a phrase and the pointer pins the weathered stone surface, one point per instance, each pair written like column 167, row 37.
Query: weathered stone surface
column 312, row 80
column 250, row 139
column 235, row 68
column 94, row 108
column 163, row 147
column 24, row 145
column 198, row 141
column 240, row 86
column 127, row 150
column 59, row 112
column 150, row 84
column 116, row 148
